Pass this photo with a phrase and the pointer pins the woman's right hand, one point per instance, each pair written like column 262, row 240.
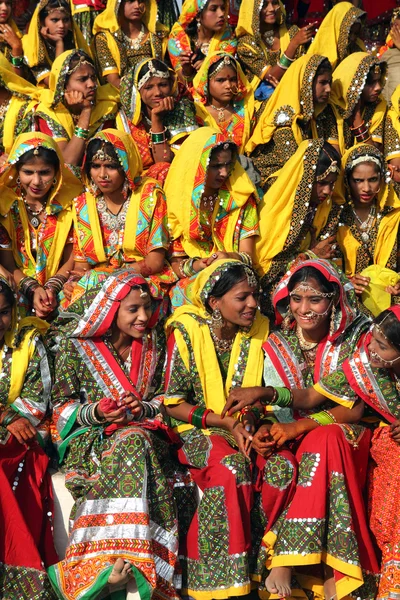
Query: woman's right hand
column 185, row 60
column 360, row 282
column 263, row 443
column 52, row 37
column 243, row 438
column 115, row 416
column 44, row 302
column 240, row 397
column 8, row 277
column 22, row 430
column 395, row 431
column 325, row 248
column 304, row 35
column 77, row 99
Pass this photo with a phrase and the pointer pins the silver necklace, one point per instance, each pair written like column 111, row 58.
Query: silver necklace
column 116, row 223
column 365, row 226
column 221, row 346
column 268, row 37
column 35, row 222
column 137, row 42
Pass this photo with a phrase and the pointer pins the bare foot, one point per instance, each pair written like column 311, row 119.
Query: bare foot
column 120, row 574
column 278, row 581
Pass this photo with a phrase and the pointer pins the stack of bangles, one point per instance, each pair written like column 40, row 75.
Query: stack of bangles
column 198, row 417
column 55, row 283
column 282, row 397
column 323, row 418
column 246, row 259
column 86, row 415
column 361, row 133
column 186, row 268
column 81, row 133
column 27, row 286
column 8, row 416
column 17, row 61
column 256, row 412
column 285, row 62
column 158, row 138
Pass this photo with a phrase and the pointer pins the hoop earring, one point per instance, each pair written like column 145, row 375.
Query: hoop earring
column 18, row 180
column 54, row 181
column 142, row 9
column 217, row 322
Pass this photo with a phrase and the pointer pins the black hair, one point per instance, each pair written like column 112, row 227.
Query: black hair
column 220, row 148
column 214, row 66
column 327, row 155
column 156, row 63
column 227, row 280
column 323, row 67
column 390, row 326
column 52, row 5
column 94, row 146
column 7, row 292
column 382, row 67
column 308, row 272
column 48, row 156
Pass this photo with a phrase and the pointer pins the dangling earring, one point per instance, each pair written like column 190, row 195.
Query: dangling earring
column 125, row 190
column 93, row 188
column 198, row 24
column 217, row 322
column 332, row 323
column 287, row 321
column 54, row 181
column 18, row 180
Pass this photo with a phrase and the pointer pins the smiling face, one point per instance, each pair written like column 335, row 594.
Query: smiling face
column 37, row 177
column 239, row 305
column 5, row 315
column 83, row 80
column 310, row 309
column 134, row 314
column 270, row 12
column 58, row 22
column 212, row 16
column 223, row 85
column 364, row 182
column 154, row 90
column 381, row 352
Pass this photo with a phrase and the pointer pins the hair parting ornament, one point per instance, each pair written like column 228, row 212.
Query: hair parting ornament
column 362, row 159
column 59, row 7
column 82, row 61
column 152, row 72
column 143, row 293
column 333, row 168
column 227, row 61
column 102, row 155
column 250, row 276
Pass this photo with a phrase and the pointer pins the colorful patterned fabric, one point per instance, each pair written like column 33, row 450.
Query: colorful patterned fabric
column 179, row 41
column 38, row 253
column 124, row 506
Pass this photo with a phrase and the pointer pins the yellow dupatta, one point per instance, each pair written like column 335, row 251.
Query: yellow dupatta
column 393, row 116
column 51, row 100
column 243, row 102
column 184, row 186
column 348, row 82
column 332, row 38
column 249, row 24
column 107, row 23
column 292, row 100
column 22, row 92
column 131, row 162
column 33, row 44
column 389, row 223
column 215, row 391
column 285, row 204
column 59, row 203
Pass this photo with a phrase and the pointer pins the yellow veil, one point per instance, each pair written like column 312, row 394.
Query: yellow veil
column 33, row 44
column 348, row 83
column 393, row 117
column 292, row 100
column 184, row 186
column 22, row 92
column 332, row 38
column 285, row 206
column 389, row 223
column 245, row 95
column 59, row 203
column 51, row 100
column 214, row 390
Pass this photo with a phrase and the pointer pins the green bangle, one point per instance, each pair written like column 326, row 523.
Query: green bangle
column 188, row 267
column 11, row 416
column 158, row 138
column 322, row 418
column 16, row 61
column 81, row 133
column 284, row 62
column 197, row 418
column 284, row 397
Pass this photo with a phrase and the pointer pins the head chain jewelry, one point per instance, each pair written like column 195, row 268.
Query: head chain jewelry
column 152, row 72
column 143, row 293
column 305, row 287
column 250, row 276
column 333, row 167
column 59, row 7
column 102, row 155
column 378, row 327
column 363, row 159
column 227, row 61
column 82, row 61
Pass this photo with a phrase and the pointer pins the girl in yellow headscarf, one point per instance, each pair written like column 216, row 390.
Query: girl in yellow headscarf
column 391, row 138
column 263, row 39
column 125, row 34
column 212, row 208
column 51, row 32
column 296, row 213
column 202, row 28
column 356, row 101
column 390, row 55
column 368, row 233
column 157, row 112
column 75, row 108
column 36, row 191
column 224, row 99
column 121, row 218
column 10, row 38
column 25, row 387
column 297, row 110
column 338, row 34
column 216, row 345
column 18, row 98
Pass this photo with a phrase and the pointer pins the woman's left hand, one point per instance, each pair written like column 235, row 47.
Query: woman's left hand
column 284, row 432
column 165, row 104
column 131, row 403
column 216, row 256
column 22, row 430
column 395, row 431
column 394, row 290
column 8, row 35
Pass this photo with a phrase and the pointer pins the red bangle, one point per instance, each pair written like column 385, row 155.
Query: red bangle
column 204, row 417
column 191, row 414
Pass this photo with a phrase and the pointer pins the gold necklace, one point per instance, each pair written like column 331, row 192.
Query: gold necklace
column 304, row 345
column 221, row 346
column 220, row 112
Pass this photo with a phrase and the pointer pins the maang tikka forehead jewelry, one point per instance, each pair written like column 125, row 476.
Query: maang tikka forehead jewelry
column 102, row 155
column 305, row 287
